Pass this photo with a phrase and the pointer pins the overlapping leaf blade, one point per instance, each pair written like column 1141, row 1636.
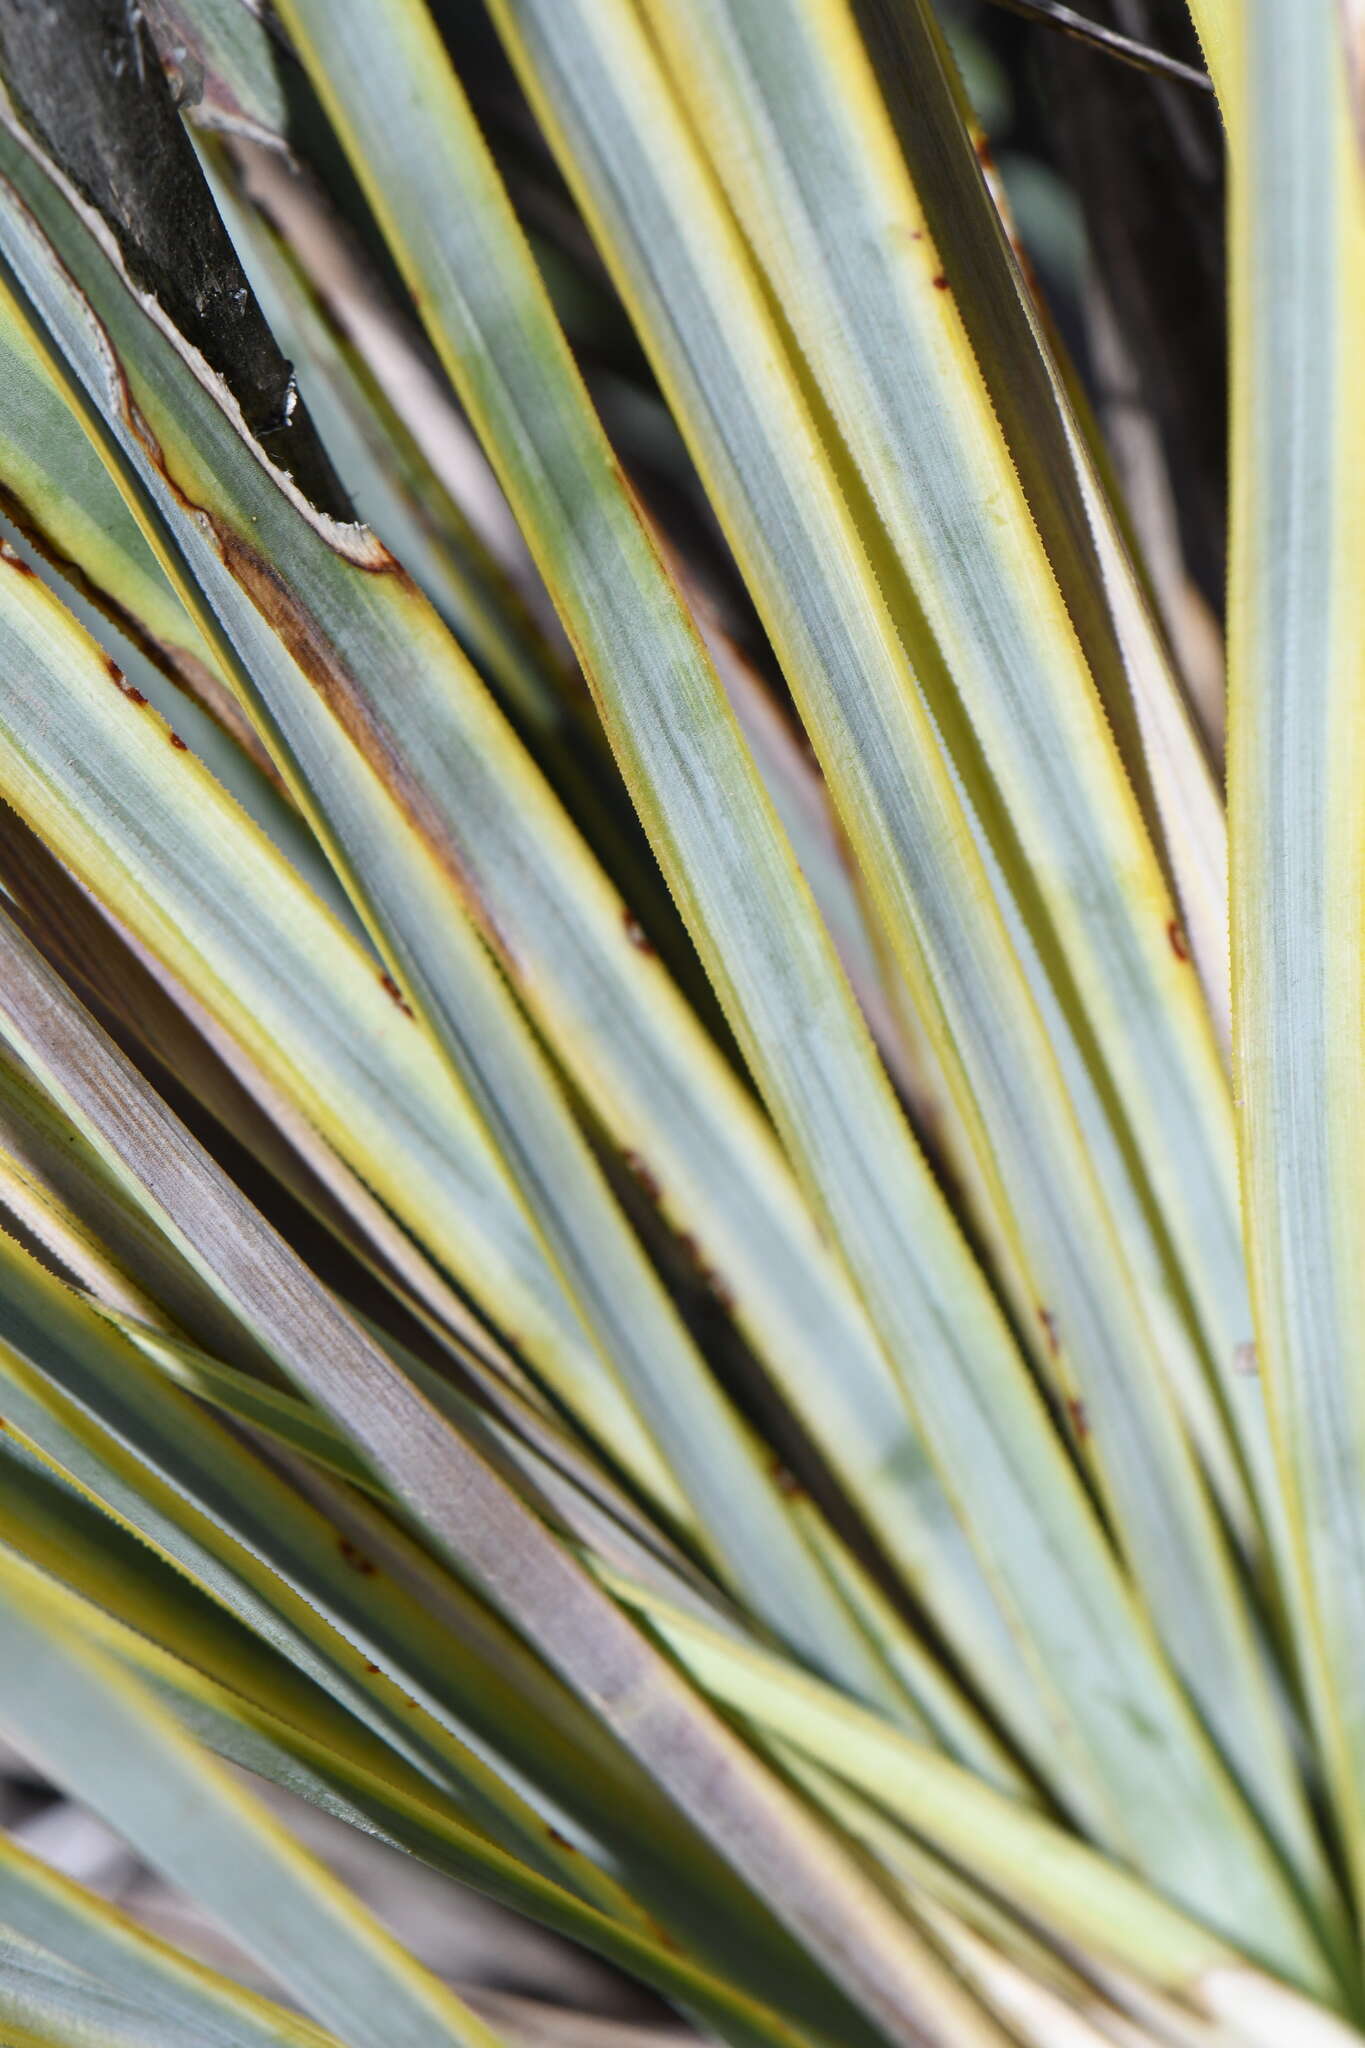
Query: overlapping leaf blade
column 696, row 790
column 678, row 268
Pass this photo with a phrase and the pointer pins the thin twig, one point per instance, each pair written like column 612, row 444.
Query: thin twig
column 1051, row 14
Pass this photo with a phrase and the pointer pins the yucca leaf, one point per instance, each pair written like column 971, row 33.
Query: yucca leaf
column 62, row 1190
column 1042, row 411
column 294, row 239
column 1297, row 654
column 703, row 808
column 175, row 860
column 297, row 1426
column 317, row 1628
column 1022, row 1856
column 801, row 1287
column 103, row 1736
column 290, row 1735
column 889, row 353
column 300, row 288
column 69, row 1938
column 417, row 787
column 734, row 1159
column 629, row 1273
column 46, row 2004
column 339, row 1604
column 343, row 1633
column 471, row 1515
column 595, row 89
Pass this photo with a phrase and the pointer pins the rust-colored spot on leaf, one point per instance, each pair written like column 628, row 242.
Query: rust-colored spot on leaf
column 1179, row 943
column 121, row 682
column 785, row 1480
column 181, row 746
column 17, row 563
column 1049, row 1323
column 940, row 283
column 635, row 932
column 373, row 1669
column 1080, row 1421
column 356, row 1559
column 983, row 154
column 562, row 1842
column 395, row 994
column 636, row 1166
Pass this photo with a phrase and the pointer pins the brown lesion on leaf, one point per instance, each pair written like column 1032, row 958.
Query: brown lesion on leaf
column 661, row 1935
column 643, row 1175
column 785, row 1480
column 1049, row 1323
column 181, row 746
column 356, row 1558
column 374, row 1670
column 1179, row 944
column 121, row 682
column 395, row 994
column 636, row 933
column 10, row 555
column 940, row 283
column 1078, row 1417
column 715, row 1284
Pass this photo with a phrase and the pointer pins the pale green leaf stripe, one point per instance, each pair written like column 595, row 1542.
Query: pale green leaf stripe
column 292, row 1736
column 44, row 2003
column 821, row 179
column 79, row 1935
column 103, row 1737
column 1296, row 773
column 403, row 765
column 679, row 264
column 403, row 115
column 858, row 1955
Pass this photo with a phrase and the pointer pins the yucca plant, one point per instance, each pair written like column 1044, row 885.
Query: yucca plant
column 686, row 1223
